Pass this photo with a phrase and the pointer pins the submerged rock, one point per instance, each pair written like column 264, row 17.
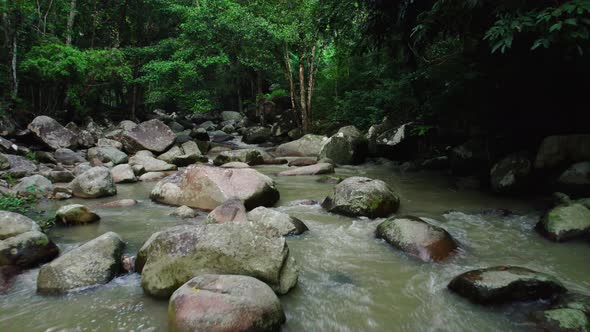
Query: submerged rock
column 317, row 169
column 95, row 262
column 232, row 210
column 173, row 256
column 566, row 222
column 151, row 135
column 205, row 187
column 302, row 162
column 307, row 146
column 503, row 284
column 282, row 222
column 225, row 303
column 93, row 183
column 184, row 212
column 53, row 134
column 119, row 203
column 561, row 320
column 75, row 214
column 417, row 238
column 361, row 196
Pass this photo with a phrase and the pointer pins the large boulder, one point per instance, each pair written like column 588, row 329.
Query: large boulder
column 504, row 284
column 348, row 146
column 108, row 154
column 511, row 174
column 75, row 214
column 151, row 135
column 34, row 185
column 317, row 169
column 225, row 303
column 150, row 164
column 12, row 224
column 50, row 132
column 361, row 196
column 172, row 257
column 566, row 222
column 282, row 222
column 94, row 183
column 205, row 187
column 255, row 135
column 556, row 151
column 232, row 210
column 307, row 146
column 249, row 156
column 19, row 166
column 417, row 238
column 575, row 179
column 93, row 263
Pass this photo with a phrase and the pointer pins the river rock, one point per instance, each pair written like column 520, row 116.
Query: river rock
column 317, row 169
column 361, row 196
column 75, row 214
column 191, row 147
column 229, row 115
column 127, row 125
column 12, row 224
column 576, row 179
column 35, row 185
column 256, row 135
column 109, row 143
column 282, row 222
column 225, row 303
column 566, row 222
column 348, row 146
column 67, row 156
column 19, row 166
column 173, row 256
column 153, row 176
column 205, row 187
column 232, row 210
column 511, row 174
column 59, row 176
column 469, row 158
column 417, row 238
column 235, row 164
column 184, row 212
column 95, row 262
column 119, row 203
column 94, row 183
column 108, row 154
column 503, row 284
column 27, row 249
column 152, row 135
column 565, row 150
column 561, row 320
column 302, row 162
column 150, row 163
column 307, row 146
column 50, row 132
column 249, row 156
column 170, row 154
column 123, row 173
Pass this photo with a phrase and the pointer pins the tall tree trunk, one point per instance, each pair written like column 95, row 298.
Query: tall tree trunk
column 302, row 94
column 13, row 63
column 289, row 76
column 310, row 82
column 70, row 27
column 10, row 28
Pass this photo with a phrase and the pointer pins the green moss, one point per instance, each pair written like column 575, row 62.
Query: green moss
column 568, row 318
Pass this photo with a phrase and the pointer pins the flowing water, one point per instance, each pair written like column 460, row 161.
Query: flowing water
column 349, row 280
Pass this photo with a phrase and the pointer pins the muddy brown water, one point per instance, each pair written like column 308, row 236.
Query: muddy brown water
column 349, row 280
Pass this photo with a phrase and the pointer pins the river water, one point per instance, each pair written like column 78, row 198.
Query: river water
column 349, row 280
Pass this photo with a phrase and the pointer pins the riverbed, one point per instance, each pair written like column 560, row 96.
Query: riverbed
column 349, row 280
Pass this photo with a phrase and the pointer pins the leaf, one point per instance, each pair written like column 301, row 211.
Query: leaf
column 555, row 27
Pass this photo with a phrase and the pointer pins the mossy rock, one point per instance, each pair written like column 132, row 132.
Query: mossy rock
column 561, row 320
column 566, row 222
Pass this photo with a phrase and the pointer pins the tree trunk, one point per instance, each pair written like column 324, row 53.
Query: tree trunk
column 289, row 76
column 302, row 95
column 70, row 27
column 13, row 64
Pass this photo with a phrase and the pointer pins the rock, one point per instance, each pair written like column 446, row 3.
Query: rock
column 394, row 142
column 94, row 183
column 7, row 274
column 566, row 222
column 59, row 176
column 282, row 222
column 503, row 284
column 330, row 179
column 191, row 147
column 225, row 303
column 316, row 169
column 417, row 238
column 170, row 154
column 511, row 174
column 123, row 173
column 151, row 135
column 95, row 262
column 27, row 249
column 19, row 166
column 561, row 320
column 235, row 164
column 207, row 126
column 255, row 135
column 138, row 170
column 109, row 143
column 376, row 130
column 347, row 147
column 4, row 162
column 108, row 154
column 229, row 115
column 228, row 129
column 232, row 210
column 360, row 196
column 469, row 158
column 61, row 192
column 176, row 127
column 205, row 187
column 576, row 179
column 81, row 168
column 150, row 163
column 189, row 159
column 307, row 146
column 574, row 301
column 436, row 163
column 12, row 224
column 85, row 139
column 35, row 185
column 184, row 212
column 127, row 125
column 50, row 132
column 556, row 151
column 117, row 204
column 249, row 156
column 67, row 156
column 302, row 162
column 75, row 214
column 154, row 176
column 200, row 134
column 172, row 257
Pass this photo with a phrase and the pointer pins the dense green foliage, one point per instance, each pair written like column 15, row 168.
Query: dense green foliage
column 448, row 63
